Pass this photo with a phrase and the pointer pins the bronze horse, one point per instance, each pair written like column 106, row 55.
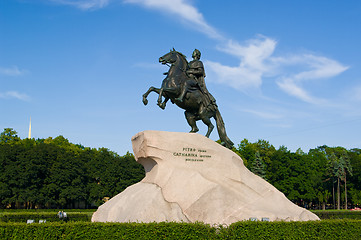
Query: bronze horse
column 196, row 105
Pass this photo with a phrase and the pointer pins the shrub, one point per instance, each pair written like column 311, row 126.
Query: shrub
column 338, row 214
column 327, row 229
column 82, row 230
column 48, row 216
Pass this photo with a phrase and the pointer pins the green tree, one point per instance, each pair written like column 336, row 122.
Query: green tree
column 9, row 135
column 339, row 167
column 355, row 178
column 247, row 151
column 55, row 173
column 322, row 181
column 323, row 197
column 295, row 175
column 347, row 168
column 258, row 167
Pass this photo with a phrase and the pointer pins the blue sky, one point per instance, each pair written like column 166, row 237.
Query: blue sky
column 288, row 72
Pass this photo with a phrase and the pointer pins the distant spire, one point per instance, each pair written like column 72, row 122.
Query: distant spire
column 29, row 136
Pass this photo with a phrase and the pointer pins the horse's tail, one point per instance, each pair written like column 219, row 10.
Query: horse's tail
column 225, row 141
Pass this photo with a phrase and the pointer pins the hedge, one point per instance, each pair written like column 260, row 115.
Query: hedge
column 327, row 229
column 7, row 210
column 85, row 215
column 48, row 216
column 338, row 214
column 82, row 230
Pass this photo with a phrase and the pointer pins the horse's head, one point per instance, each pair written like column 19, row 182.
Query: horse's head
column 172, row 57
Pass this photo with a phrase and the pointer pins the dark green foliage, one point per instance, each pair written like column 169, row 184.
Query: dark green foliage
column 22, row 217
column 294, row 174
column 338, row 214
column 336, row 229
column 53, row 173
column 327, row 229
column 9, row 135
column 107, row 231
column 258, row 167
column 354, row 181
column 322, row 177
column 6, row 211
column 248, row 151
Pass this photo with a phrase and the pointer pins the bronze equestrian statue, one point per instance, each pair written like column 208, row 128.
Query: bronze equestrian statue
column 184, row 85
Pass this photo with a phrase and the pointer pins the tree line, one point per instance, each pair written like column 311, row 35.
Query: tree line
column 323, row 177
column 54, row 173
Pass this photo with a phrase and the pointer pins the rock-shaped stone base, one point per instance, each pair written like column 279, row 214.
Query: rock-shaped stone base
column 191, row 178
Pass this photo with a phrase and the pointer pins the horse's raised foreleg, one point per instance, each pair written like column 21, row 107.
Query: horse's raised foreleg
column 159, row 101
column 162, row 105
column 145, row 95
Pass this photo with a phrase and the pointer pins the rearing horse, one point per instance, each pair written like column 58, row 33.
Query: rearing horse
column 196, row 104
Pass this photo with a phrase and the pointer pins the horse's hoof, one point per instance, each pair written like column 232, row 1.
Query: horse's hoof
column 194, row 130
column 161, row 105
column 145, row 101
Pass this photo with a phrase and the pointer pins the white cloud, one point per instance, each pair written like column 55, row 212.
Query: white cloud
column 240, row 77
column 321, row 67
column 14, row 94
column 182, row 9
column 257, row 61
column 318, row 67
column 84, row 4
column 253, row 65
column 253, row 53
column 291, row 88
column 12, row 71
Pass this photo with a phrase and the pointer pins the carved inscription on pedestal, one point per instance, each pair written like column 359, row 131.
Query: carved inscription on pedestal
column 192, row 154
